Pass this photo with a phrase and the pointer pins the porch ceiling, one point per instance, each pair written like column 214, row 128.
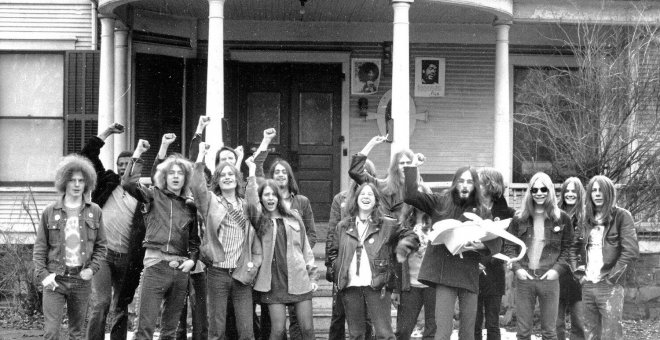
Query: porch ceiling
column 354, row 11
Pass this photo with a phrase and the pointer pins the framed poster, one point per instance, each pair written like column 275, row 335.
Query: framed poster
column 365, row 75
column 429, row 77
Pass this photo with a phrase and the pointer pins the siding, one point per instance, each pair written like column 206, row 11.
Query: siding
column 15, row 222
column 66, row 18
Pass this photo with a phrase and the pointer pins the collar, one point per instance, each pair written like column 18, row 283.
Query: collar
column 59, row 204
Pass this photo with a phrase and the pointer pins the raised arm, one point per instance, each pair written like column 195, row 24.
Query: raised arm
column 427, row 203
column 92, row 148
column 262, row 152
column 356, row 170
column 198, row 183
column 251, row 195
column 197, row 138
column 131, row 179
column 165, row 142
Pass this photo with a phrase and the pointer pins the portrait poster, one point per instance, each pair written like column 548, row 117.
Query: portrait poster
column 365, row 76
column 429, row 77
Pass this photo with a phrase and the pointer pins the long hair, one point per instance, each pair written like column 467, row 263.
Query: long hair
column 575, row 211
column 453, row 207
column 292, row 184
column 609, row 200
column 394, row 183
column 352, row 207
column 73, row 163
column 160, row 177
column 215, row 180
column 492, row 183
column 551, row 210
column 281, row 208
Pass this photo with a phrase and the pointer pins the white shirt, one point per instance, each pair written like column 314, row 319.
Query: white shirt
column 595, row 254
column 364, row 279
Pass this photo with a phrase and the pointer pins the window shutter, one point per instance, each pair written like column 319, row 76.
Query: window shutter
column 81, row 99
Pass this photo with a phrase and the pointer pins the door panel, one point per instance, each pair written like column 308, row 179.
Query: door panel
column 303, row 102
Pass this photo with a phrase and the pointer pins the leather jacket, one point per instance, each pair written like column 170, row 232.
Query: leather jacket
column 620, row 246
column 381, row 239
column 50, row 249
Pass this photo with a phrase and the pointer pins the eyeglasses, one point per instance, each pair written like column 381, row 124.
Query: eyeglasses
column 535, row 190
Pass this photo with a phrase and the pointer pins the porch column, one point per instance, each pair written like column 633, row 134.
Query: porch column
column 401, row 75
column 215, row 87
column 503, row 134
column 121, row 94
column 106, row 86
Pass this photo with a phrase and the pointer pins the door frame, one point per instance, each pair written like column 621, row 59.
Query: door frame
column 265, row 56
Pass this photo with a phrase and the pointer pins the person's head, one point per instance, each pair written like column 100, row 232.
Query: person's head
column 465, row 187
column 572, row 196
column 75, row 176
column 271, row 199
column 281, row 172
column 365, row 199
column 227, row 178
column 601, row 198
column 226, row 154
column 492, row 183
column 122, row 161
column 395, row 177
column 429, row 70
column 368, row 72
column 540, row 194
column 173, row 174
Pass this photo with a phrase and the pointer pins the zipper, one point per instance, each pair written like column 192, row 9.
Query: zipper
column 169, row 237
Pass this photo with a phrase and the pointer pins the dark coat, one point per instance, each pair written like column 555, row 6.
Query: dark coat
column 493, row 283
column 107, row 182
column 439, row 266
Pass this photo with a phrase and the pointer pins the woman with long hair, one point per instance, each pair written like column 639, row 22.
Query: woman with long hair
column 288, row 273
column 364, row 246
column 571, row 200
column 548, row 233
column 230, row 249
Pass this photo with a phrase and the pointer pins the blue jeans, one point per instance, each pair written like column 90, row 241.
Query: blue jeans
column 106, row 287
column 445, row 300
column 362, row 301
column 222, row 288
column 197, row 298
column 603, row 310
column 488, row 306
column 73, row 291
column 338, row 320
column 547, row 292
column 410, row 305
column 576, row 310
column 160, row 285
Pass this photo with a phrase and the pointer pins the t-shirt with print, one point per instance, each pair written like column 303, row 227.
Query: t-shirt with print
column 72, row 238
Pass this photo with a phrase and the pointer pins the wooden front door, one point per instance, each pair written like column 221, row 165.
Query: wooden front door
column 303, row 103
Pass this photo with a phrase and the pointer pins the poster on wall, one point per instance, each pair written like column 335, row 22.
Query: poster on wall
column 365, row 75
column 429, row 77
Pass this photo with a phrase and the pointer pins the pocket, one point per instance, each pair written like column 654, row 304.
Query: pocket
column 381, row 273
column 54, row 232
column 92, row 230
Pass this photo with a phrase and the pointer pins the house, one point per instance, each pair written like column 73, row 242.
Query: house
column 299, row 66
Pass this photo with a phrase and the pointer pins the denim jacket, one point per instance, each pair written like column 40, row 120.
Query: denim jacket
column 171, row 220
column 557, row 246
column 49, row 247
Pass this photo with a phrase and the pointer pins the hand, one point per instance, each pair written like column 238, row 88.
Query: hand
column 419, row 159
column 204, row 148
column 482, row 267
column 168, row 139
column 522, row 274
column 115, row 128
column 550, row 275
column 142, row 147
column 269, row 134
column 315, row 286
column 203, row 122
column 250, row 163
column 49, row 282
column 396, row 300
column 403, row 249
column 378, row 140
column 86, row 274
column 187, row 265
column 474, row 245
column 239, row 152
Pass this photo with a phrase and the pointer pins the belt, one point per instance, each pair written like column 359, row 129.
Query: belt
column 227, row 270
column 536, row 272
column 116, row 253
column 71, row 271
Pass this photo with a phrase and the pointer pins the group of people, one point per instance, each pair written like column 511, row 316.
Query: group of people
column 227, row 245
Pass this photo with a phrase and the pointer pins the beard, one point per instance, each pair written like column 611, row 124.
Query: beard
column 462, row 201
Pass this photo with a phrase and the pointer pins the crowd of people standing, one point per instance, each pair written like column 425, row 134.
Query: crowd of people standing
column 225, row 245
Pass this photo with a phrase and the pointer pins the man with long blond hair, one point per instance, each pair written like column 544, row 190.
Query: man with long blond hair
column 548, row 233
column 69, row 248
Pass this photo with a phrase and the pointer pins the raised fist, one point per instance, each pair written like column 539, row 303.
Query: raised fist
column 204, row 121
column 143, row 145
column 116, row 128
column 269, row 133
column 168, row 138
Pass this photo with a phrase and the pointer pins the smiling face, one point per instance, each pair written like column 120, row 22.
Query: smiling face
column 281, row 176
column 269, row 199
column 570, row 194
column 175, row 179
column 597, row 196
column 465, row 185
column 539, row 193
column 75, row 187
column 366, row 200
column 227, row 180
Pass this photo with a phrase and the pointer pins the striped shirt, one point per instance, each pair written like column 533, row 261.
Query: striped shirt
column 231, row 237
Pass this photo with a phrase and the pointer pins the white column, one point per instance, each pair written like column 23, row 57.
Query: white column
column 215, row 87
column 401, row 75
column 121, row 94
column 503, row 130
column 106, row 86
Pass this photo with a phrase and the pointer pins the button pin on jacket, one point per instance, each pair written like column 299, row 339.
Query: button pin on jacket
column 57, row 217
column 371, row 240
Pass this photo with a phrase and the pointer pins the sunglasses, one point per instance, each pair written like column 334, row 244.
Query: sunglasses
column 535, row 190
